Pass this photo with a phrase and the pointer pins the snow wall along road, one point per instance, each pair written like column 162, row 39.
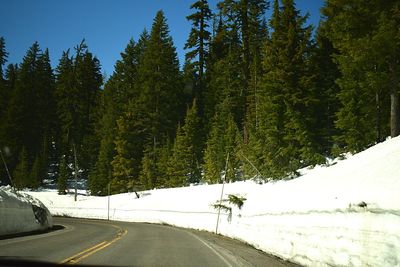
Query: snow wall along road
column 21, row 213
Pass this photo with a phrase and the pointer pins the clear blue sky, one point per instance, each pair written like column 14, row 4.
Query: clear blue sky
column 107, row 25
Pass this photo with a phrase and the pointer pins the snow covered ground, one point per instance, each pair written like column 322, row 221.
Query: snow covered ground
column 347, row 214
column 21, row 212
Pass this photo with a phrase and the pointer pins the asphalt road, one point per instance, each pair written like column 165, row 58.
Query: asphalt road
column 107, row 243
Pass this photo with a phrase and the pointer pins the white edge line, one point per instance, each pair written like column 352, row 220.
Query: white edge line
column 211, row 248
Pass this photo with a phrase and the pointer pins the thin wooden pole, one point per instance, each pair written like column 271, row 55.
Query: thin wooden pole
column 76, row 174
column 222, row 192
column 8, row 172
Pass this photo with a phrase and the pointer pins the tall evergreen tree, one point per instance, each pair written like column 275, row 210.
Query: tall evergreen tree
column 45, row 107
column 251, row 15
column 3, row 55
column 258, row 36
column 224, row 139
column 89, row 82
column 179, row 166
column 225, row 74
column 231, row 82
column 29, row 112
column 287, row 124
column 235, row 71
column 63, row 176
column 21, row 172
column 161, row 100
column 7, row 91
column 101, row 173
column 4, row 95
column 78, row 95
column 20, row 124
column 148, row 173
column 3, row 89
column 160, row 80
column 186, row 158
column 326, row 72
column 198, row 41
column 218, row 50
column 37, row 172
column 119, row 88
column 65, row 95
column 8, row 85
column 129, row 121
column 364, row 34
column 165, row 153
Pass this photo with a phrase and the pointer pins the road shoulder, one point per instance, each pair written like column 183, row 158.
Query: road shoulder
column 240, row 253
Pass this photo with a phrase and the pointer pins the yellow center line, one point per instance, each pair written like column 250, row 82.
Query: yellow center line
column 71, row 259
column 87, row 252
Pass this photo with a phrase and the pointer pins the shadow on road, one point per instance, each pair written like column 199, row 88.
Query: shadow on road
column 54, row 228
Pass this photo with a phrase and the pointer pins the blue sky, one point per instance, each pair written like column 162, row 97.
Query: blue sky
column 106, row 25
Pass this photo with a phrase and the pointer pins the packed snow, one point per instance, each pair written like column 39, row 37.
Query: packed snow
column 21, row 213
column 347, row 214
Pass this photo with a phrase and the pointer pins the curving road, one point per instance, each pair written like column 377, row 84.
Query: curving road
column 109, row 243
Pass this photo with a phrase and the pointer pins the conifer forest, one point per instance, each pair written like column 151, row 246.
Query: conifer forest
column 257, row 97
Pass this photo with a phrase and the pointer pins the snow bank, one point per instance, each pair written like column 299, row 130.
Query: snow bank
column 347, row 214
column 21, row 212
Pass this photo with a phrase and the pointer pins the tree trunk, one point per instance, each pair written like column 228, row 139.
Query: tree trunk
column 199, row 89
column 394, row 103
column 246, row 38
column 378, row 118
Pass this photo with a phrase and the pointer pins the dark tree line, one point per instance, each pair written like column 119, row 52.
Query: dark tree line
column 256, row 96
column 45, row 114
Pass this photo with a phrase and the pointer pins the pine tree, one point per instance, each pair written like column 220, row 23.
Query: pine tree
column 185, row 161
column 65, row 95
column 258, row 36
column 89, row 82
column 223, row 139
column 8, row 87
column 228, row 78
column 327, row 73
column 159, row 106
column 213, row 92
column 28, row 117
column 123, row 163
column 250, row 153
column 362, row 33
column 37, row 173
column 148, row 174
column 193, row 135
column 101, row 174
column 63, row 176
column 163, row 165
column 236, row 54
column 251, row 14
column 3, row 55
column 179, row 166
column 288, row 97
column 21, row 172
column 3, row 89
column 45, row 104
column 78, row 95
column 234, row 75
column 4, row 96
column 198, row 41
column 46, row 118
column 159, row 76
column 125, row 116
column 21, row 122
